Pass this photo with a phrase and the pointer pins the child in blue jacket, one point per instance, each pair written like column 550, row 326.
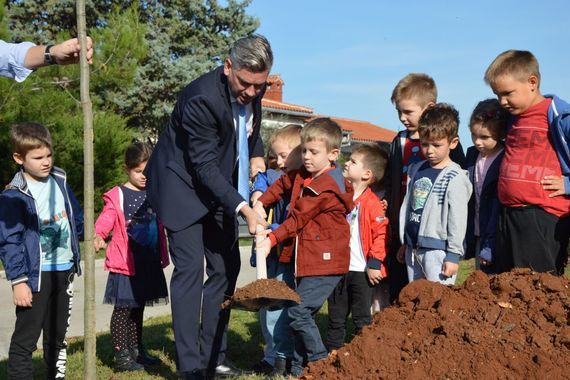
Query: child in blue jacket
column 40, row 225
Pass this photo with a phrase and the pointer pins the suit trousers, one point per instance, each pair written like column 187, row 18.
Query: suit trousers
column 199, row 322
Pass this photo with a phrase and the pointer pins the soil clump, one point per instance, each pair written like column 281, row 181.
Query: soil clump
column 514, row 325
column 260, row 293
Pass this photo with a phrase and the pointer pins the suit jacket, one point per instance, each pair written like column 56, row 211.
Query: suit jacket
column 193, row 168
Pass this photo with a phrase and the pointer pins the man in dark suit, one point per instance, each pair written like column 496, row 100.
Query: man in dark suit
column 192, row 178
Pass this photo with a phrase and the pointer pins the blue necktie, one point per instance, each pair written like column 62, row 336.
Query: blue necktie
column 243, row 156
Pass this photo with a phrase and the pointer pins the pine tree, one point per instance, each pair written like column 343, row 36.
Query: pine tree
column 185, row 38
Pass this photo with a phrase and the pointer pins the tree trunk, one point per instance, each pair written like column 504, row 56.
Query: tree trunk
column 90, row 347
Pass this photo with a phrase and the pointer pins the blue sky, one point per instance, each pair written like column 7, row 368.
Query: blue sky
column 343, row 58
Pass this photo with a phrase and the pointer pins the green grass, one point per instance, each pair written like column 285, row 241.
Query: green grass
column 245, row 344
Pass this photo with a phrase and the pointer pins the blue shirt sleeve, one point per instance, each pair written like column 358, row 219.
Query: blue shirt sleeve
column 12, row 57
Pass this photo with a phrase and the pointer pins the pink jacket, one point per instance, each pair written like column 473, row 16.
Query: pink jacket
column 119, row 257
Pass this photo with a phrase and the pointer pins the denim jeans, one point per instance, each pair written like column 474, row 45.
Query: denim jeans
column 275, row 323
column 313, row 290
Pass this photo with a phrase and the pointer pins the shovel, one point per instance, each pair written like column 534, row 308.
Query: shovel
column 265, row 298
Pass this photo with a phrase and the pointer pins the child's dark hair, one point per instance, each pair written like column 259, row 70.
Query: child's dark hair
column 136, row 154
column 438, row 122
column 373, row 158
column 492, row 116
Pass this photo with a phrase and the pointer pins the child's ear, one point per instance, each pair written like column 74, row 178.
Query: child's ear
column 453, row 143
column 533, row 82
column 429, row 105
column 18, row 158
column 334, row 154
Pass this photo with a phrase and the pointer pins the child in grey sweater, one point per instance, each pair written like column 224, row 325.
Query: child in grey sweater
column 433, row 217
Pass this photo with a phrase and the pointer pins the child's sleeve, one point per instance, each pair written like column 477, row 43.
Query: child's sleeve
column 276, row 191
column 458, row 198
column 13, row 251
column 379, row 231
column 260, row 183
column 306, row 209
column 106, row 220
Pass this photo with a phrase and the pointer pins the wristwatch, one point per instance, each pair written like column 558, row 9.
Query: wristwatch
column 48, row 59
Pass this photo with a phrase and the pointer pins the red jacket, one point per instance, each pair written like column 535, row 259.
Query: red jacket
column 316, row 222
column 373, row 230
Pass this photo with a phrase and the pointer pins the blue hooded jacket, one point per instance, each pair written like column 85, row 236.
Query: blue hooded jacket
column 20, row 249
column 559, row 128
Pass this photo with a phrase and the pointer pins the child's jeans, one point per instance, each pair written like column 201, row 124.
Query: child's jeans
column 427, row 263
column 313, row 290
column 50, row 313
column 275, row 323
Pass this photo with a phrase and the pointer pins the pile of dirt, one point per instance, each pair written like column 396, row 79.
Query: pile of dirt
column 261, row 293
column 514, row 325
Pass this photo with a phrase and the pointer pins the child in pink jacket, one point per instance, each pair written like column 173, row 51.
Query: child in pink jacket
column 135, row 258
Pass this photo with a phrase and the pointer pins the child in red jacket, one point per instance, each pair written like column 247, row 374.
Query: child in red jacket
column 368, row 228
column 134, row 258
column 316, row 227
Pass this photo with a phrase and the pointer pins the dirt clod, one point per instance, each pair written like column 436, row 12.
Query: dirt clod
column 268, row 289
column 514, row 325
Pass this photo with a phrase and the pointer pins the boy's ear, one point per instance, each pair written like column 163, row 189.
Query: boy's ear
column 333, row 154
column 429, row 105
column 453, row 143
column 533, row 82
column 18, row 158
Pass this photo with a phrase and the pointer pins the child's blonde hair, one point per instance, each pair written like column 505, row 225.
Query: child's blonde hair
column 28, row 136
column 323, row 129
column 374, row 159
column 520, row 64
column 438, row 122
column 418, row 86
column 290, row 134
column 492, row 116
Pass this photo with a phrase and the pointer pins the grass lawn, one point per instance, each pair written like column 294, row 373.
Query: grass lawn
column 244, row 340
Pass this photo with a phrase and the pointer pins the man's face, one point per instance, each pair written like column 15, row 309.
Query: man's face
column 244, row 84
column 37, row 163
column 516, row 95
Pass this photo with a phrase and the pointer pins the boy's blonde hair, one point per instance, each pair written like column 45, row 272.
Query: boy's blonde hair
column 28, row 136
column 418, row 86
column 323, row 129
column 492, row 116
column 290, row 134
column 374, row 159
column 520, row 64
column 439, row 122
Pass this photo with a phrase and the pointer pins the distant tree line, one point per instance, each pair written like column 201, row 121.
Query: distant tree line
column 145, row 53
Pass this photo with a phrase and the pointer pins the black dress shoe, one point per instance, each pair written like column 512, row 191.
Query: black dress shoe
column 228, row 369
column 262, row 367
column 194, row 375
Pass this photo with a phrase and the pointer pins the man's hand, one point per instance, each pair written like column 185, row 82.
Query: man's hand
column 99, row 243
column 22, row 295
column 401, row 255
column 256, row 165
column 552, row 182
column 262, row 242
column 252, row 218
column 374, row 276
column 68, row 51
column 449, row 269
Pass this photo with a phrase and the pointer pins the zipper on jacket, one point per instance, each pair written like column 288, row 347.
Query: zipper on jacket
column 39, row 240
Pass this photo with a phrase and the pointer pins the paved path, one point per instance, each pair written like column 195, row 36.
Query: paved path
column 8, row 318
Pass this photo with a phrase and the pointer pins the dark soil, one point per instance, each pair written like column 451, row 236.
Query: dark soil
column 514, row 325
column 262, row 292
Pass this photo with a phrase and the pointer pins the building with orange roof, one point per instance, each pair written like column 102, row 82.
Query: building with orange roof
column 277, row 114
